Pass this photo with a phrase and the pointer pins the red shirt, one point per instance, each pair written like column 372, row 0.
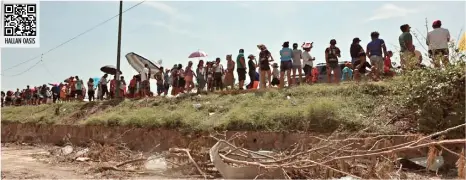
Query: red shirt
column 386, row 64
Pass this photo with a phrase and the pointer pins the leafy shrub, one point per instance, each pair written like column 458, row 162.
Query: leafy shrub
column 436, row 96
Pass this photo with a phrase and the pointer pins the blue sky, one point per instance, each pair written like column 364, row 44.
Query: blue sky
column 172, row 30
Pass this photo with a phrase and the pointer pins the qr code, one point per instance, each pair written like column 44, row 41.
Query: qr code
column 20, row 19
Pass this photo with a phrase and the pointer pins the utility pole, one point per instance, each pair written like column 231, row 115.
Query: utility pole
column 117, row 91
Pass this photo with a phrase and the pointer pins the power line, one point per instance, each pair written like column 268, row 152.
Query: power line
column 69, row 40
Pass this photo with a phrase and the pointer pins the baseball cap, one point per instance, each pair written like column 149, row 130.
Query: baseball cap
column 356, row 39
column 437, row 22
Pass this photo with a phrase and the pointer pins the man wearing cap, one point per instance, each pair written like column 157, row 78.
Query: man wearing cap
column 332, row 53
column 406, row 46
column 437, row 40
column 241, row 68
column 374, row 50
column 355, row 50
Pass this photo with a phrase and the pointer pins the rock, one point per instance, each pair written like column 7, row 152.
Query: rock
column 156, row 163
column 82, row 159
column 66, row 150
column 81, row 153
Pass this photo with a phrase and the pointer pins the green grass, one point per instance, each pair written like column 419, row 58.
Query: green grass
column 318, row 108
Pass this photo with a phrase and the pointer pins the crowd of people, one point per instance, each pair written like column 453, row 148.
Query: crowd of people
column 295, row 64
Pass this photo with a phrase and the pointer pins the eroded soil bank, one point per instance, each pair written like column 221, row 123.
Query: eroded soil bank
column 158, row 140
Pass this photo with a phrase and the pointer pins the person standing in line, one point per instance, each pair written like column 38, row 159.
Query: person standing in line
column 308, row 61
column 252, row 65
column 355, row 50
column 159, row 81
column 275, row 75
column 166, row 82
column 332, row 53
column 297, row 65
column 241, row 68
column 122, row 88
column 218, row 73
column 181, row 79
column 90, row 90
column 265, row 57
column 79, row 88
column 437, row 40
column 406, row 48
column 286, row 64
column 201, row 76
column 189, row 77
column 229, row 77
column 144, row 81
column 376, row 50
column 103, row 87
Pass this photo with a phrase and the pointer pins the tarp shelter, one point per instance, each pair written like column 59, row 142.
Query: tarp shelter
column 137, row 62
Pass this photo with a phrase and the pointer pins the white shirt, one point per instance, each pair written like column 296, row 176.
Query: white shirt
column 438, row 38
column 144, row 74
column 307, row 58
column 103, row 81
column 275, row 73
column 218, row 68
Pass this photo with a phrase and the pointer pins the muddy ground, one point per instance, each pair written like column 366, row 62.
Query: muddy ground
column 26, row 161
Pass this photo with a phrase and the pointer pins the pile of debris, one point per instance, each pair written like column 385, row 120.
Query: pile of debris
column 332, row 157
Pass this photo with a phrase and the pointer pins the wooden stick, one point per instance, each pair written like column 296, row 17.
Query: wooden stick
column 190, row 159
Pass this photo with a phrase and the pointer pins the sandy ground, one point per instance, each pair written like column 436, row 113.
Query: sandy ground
column 31, row 162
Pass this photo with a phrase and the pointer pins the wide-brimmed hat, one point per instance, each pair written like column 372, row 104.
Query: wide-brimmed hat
column 307, row 45
column 261, row 45
column 356, row 40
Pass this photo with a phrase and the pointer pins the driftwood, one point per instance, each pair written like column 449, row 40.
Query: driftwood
column 359, row 157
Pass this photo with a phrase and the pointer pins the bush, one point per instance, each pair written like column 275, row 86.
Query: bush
column 436, row 96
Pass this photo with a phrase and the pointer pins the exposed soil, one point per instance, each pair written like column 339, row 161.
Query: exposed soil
column 36, row 162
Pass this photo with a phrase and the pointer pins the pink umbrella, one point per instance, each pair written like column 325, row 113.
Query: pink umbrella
column 198, row 54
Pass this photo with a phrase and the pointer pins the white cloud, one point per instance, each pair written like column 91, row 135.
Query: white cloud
column 388, row 11
column 169, row 10
column 174, row 29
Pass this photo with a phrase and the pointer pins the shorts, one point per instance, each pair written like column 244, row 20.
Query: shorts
column 145, row 85
column 307, row 70
column 241, row 74
column 79, row 92
column 264, row 67
column 286, row 65
column 333, row 65
column 160, row 88
column 297, row 66
column 275, row 81
column 437, row 52
column 377, row 61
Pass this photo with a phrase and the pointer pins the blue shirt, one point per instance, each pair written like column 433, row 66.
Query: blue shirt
column 347, row 74
column 375, row 47
column 286, row 54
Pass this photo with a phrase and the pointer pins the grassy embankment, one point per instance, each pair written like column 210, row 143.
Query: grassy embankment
column 385, row 107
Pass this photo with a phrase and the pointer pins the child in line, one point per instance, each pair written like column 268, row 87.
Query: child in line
column 275, row 75
column 347, row 73
column 388, row 68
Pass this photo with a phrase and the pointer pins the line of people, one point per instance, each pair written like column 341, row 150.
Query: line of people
column 294, row 64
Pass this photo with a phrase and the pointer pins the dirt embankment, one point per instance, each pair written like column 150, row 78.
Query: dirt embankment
column 158, row 139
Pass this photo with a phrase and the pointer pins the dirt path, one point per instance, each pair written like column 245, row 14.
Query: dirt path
column 18, row 163
column 25, row 162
